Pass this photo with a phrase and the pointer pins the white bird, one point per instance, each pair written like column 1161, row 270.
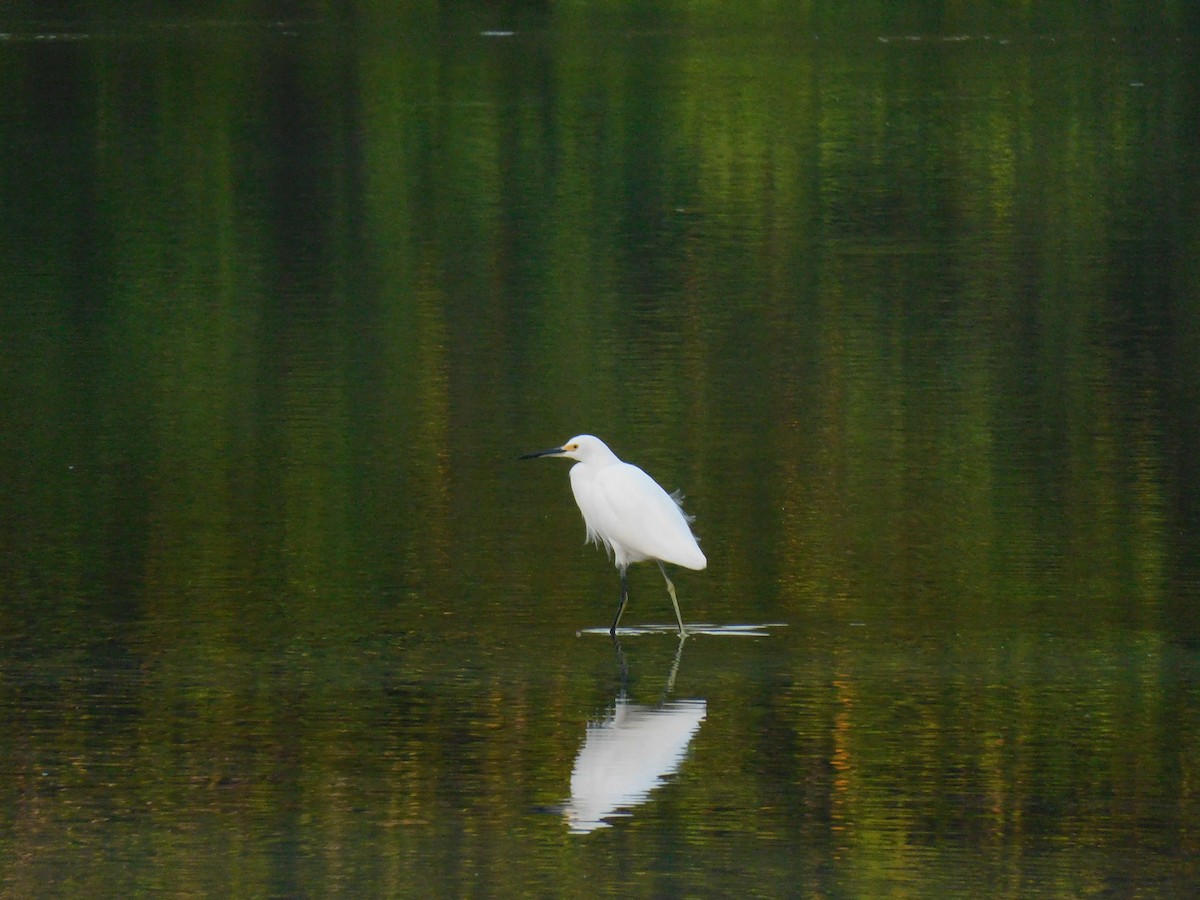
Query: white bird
column 625, row 510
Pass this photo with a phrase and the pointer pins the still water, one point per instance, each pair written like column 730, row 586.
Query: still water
column 906, row 304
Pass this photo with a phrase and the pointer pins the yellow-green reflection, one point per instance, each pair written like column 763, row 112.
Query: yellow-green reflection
column 914, row 321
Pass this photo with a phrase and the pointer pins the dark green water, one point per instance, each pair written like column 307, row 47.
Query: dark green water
column 905, row 301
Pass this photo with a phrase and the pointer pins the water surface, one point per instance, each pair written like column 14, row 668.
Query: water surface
column 906, row 305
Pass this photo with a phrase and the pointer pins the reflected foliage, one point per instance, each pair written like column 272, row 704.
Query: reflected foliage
column 906, row 295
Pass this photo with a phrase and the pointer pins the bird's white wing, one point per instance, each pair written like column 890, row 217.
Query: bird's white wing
column 634, row 515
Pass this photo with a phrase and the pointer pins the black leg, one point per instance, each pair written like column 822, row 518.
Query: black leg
column 622, row 665
column 621, row 608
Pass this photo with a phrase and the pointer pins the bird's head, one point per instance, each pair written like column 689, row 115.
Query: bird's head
column 583, row 448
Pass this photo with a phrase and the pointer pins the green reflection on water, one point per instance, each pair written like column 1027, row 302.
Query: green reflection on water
column 914, row 323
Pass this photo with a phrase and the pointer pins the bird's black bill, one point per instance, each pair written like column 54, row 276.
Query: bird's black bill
column 553, row 451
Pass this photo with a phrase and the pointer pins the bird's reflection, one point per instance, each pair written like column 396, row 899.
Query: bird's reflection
column 629, row 753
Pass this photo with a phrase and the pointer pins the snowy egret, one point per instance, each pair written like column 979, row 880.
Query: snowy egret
column 625, row 510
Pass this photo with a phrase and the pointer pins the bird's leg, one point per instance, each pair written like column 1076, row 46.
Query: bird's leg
column 674, row 601
column 624, row 600
column 622, row 665
column 674, row 668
